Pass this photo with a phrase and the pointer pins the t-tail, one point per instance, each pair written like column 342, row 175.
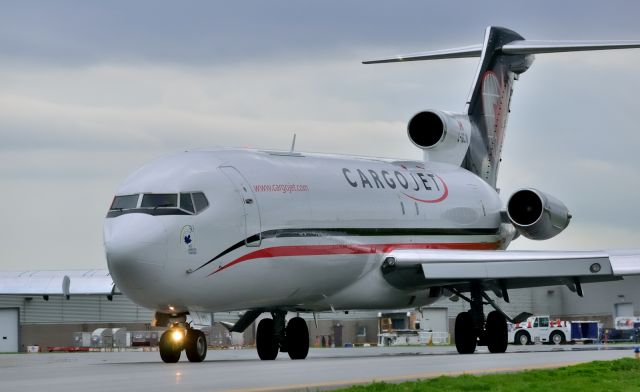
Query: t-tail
column 474, row 140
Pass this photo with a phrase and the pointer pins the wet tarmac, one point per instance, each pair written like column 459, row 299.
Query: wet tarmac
column 241, row 370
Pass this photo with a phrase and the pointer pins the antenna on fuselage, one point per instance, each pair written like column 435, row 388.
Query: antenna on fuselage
column 293, row 143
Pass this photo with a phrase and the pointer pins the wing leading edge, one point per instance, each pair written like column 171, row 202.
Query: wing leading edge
column 408, row 268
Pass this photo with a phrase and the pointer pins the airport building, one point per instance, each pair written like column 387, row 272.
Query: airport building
column 82, row 308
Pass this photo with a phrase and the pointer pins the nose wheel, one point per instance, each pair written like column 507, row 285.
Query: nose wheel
column 176, row 339
column 272, row 337
column 171, row 345
column 195, row 345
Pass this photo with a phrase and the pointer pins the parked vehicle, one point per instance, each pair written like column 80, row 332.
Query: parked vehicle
column 543, row 329
column 626, row 329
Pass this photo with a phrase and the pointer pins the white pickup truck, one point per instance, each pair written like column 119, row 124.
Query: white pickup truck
column 540, row 329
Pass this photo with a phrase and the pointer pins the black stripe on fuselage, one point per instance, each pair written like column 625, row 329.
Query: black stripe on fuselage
column 348, row 232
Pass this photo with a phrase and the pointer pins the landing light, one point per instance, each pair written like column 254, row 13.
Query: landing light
column 177, row 335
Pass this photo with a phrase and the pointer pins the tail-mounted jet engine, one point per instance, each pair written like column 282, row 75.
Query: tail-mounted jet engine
column 536, row 215
column 444, row 137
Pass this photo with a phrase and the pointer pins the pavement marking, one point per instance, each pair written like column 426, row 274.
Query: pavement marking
column 408, row 377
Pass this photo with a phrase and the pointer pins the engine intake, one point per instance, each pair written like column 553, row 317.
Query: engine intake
column 426, row 129
column 443, row 136
column 536, row 215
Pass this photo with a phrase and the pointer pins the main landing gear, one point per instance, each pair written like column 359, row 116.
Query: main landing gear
column 472, row 329
column 273, row 337
column 178, row 338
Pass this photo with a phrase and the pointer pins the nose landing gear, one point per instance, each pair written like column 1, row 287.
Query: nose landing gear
column 273, row 336
column 178, row 338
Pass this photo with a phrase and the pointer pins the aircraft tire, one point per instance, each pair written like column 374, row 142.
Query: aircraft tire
column 496, row 332
column 464, row 333
column 266, row 341
column 195, row 345
column 297, row 338
column 169, row 351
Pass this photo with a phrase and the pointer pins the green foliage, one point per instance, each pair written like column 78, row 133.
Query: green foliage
column 619, row 375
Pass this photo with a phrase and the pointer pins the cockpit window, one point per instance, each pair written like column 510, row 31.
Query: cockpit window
column 124, row 202
column 187, row 203
column 159, row 200
column 200, row 201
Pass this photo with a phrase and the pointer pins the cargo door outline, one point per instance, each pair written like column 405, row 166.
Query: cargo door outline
column 251, row 211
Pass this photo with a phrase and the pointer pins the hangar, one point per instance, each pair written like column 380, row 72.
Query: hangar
column 46, row 308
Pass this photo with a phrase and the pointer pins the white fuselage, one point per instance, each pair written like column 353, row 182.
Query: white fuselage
column 292, row 231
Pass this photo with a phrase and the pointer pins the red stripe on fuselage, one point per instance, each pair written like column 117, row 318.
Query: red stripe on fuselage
column 350, row 249
column 438, row 200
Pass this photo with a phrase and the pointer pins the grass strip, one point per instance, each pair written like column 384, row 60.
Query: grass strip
column 617, row 375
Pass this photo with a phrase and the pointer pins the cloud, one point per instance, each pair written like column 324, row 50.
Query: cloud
column 152, row 108
column 70, row 33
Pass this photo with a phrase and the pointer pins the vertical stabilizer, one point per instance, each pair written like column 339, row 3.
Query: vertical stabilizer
column 489, row 99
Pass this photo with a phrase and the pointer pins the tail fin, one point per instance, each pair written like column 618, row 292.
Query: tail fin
column 488, row 102
column 503, row 56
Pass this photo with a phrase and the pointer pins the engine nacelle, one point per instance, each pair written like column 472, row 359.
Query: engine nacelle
column 536, row 215
column 443, row 136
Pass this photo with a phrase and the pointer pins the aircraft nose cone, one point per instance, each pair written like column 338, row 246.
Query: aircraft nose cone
column 136, row 250
column 129, row 233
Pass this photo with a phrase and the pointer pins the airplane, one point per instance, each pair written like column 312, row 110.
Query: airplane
column 274, row 232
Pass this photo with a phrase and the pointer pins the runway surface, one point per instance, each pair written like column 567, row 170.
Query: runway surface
column 241, row 370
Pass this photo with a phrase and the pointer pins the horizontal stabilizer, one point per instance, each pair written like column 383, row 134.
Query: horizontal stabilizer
column 519, row 47
column 455, row 53
column 533, row 47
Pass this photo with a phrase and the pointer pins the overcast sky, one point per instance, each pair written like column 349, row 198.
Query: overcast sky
column 90, row 91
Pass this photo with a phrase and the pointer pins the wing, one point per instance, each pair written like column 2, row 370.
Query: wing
column 502, row 270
